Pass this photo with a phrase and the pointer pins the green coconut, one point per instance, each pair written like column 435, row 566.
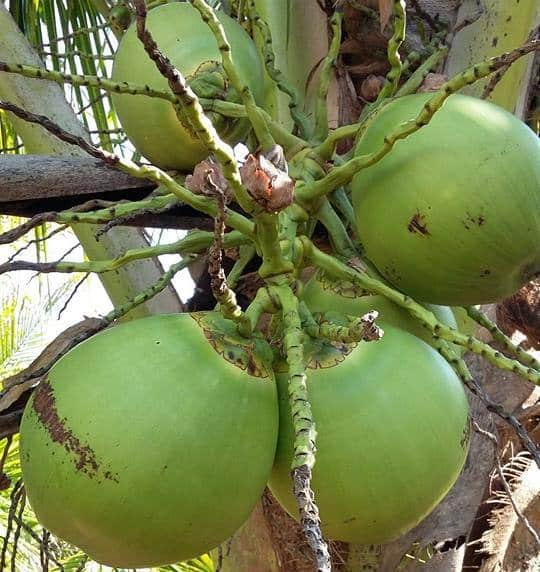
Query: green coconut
column 393, row 428
column 143, row 446
column 452, row 214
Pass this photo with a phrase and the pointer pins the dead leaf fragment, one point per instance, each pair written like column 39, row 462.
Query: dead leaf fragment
column 271, row 187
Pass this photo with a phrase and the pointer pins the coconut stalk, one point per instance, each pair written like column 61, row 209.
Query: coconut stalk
column 300, row 42
column 43, row 97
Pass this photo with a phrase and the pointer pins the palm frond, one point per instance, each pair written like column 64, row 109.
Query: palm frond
column 22, row 323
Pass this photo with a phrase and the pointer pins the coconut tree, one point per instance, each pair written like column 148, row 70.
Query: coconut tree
column 328, row 64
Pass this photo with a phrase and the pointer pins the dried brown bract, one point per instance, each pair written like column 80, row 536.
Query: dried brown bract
column 204, row 171
column 433, row 82
column 371, row 87
column 271, row 187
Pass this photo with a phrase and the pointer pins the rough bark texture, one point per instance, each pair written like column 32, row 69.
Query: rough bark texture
column 26, row 177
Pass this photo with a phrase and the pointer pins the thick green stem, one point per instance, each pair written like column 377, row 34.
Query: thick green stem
column 338, row 270
column 260, row 304
column 502, row 338
column 328, row 147
column 341, row 242
column 340, row 200
column 246, row 254
column 321, row 107
column 304, row 425
column 274, row 262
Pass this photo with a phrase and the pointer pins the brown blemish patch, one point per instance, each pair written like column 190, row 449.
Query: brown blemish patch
column 45, row 407
column 474, row 220
column 418, row 225
column 485, row 273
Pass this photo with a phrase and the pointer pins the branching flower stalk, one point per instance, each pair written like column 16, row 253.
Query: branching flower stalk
column 225, row 108
column 358, row 329
column 300, row 119
column 416, row 80
column 472, row 384
column 193, row 243
column 88, row 81
column 500, row 337
column 276, row 238
column 93, row 212
column 341, row 175
column 198, row 202
column 396, row 65
column 254, row 115
column 191, row 106
column 223, row 294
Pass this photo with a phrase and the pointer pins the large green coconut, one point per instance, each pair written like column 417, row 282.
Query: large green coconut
column 152, row 125
column 452, row 214
column 144, row 446
column 392, row 436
